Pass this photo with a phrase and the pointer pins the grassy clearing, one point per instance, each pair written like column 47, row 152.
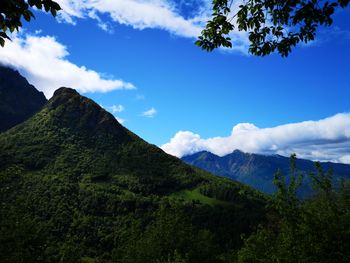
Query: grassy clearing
column 195, row 195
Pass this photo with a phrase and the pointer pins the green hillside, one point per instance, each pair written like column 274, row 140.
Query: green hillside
column 76, row 186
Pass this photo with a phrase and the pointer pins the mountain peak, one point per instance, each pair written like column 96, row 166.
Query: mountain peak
column 63, row 90
column 238, row 152
column 65, row 95
column 72, row 110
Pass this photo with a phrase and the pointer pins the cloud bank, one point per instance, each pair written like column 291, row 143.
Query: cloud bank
column 324, row 140
column 156, row 14
column 139, row 14
column 44, row 62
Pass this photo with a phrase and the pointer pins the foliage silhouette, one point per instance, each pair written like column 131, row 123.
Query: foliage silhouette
column 12, row 12
column 313, row 230
column 272, row 25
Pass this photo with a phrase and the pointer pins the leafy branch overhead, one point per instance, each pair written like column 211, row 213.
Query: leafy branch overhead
column 272, row 25
column 12, row 12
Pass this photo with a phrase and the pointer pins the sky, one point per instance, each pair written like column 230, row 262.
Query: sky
column 137, row 59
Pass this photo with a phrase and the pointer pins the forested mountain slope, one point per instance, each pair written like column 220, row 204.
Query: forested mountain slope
column 76, row 186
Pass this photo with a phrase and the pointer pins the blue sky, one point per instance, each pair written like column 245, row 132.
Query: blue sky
column 182, row 87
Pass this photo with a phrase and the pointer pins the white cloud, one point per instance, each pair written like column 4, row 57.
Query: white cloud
column 70, row 9
column 324, row 140
column 105, row 26
column 120, row 120
column 149, row 113
column 116, row 108
column 44, row 62
column 159, row 14
column 139, row 14
column 345, row 159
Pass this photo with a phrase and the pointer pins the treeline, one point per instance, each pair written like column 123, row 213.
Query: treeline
column 312, row 230
column 56, row 218
column 229, row 191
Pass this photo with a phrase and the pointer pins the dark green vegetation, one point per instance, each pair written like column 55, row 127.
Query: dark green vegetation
column 257, row 170
column 76, row 186
column 18, row 99
column 273, row 25
column 315, row 230
column 13, row 11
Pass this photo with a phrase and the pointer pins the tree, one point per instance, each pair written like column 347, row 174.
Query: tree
column 12, row 11
column 312, row 230
column 272, row 25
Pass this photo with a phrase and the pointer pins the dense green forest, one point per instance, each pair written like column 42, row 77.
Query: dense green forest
column 76, row 186
column 313, row 230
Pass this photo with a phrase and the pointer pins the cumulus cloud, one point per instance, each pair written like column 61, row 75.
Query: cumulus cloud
column 149, row 113
column 157, row 14
column 324, row 140
column 139, row 14
column 44, row 62
column 116, row 108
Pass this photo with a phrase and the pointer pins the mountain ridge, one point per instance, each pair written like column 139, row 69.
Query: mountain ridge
column 74, row 118
column 257, row 170
column 83, row 187
column 19, row 100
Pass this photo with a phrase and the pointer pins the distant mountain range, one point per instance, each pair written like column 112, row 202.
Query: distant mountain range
column 257, row 170
column 18, row 99
column 77, row 186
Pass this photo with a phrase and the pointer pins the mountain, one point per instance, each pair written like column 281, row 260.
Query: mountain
column 77, row 186
column 18, row 99
column 257, row 170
